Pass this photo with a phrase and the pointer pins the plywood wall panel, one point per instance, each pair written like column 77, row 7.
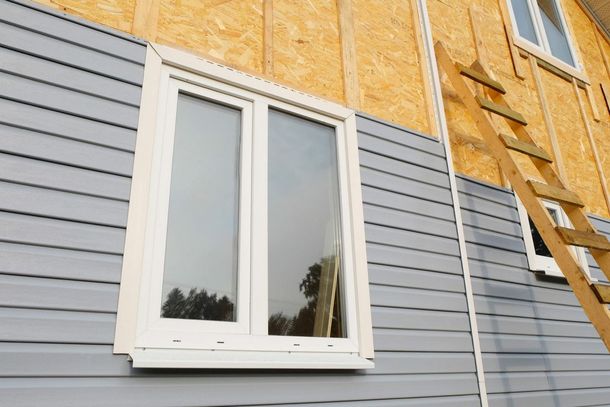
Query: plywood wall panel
column 113, row 13
column 590, row 56
column 451, row 25
column 573, row 142
column 307, row 51
column 231, row 31
column 307, row 55
column 389, row 74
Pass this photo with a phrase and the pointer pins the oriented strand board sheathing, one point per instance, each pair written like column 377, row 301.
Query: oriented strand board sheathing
column 307, row 50
column 113, row 13
column 389, row 73
column 348, row 54
column 451, row 24
column 575, row 148
column 585, row 116
column 230, row 30
column 587, row 45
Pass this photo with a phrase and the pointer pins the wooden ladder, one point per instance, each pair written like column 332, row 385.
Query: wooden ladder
column 592, row 296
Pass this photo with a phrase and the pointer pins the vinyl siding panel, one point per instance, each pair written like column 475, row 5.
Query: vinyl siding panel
column 538, row 346
column 68, row 123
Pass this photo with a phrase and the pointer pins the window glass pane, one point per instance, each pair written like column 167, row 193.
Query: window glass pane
column 555, row 33
column 539, row 245
column 304, row 229
column 525, row 24
column 200, row 276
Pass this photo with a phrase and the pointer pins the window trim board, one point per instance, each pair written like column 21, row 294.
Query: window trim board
column 539, row 51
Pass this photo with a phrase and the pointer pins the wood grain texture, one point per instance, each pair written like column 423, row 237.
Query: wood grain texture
column 351, row 86
column 146, row 19
column 554, row 193
column 268, row 37
column 548, row 119
column 593, row 144
column 525, row 148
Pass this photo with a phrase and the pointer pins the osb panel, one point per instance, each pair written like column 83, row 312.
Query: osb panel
column 306, row 46
column 229, row 30
column 593, row 63
column 113, row 13
column 451, row 25
column 589, row 54
column 388, row 65
column 574, row 144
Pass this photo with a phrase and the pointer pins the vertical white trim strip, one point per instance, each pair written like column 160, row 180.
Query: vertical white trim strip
column 444, row 135
column 125, row 329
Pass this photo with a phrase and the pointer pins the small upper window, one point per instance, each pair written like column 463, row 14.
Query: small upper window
column 538, row 254
column 245, row 242
column 541, row 23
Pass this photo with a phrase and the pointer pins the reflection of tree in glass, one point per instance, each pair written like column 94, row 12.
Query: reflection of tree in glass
column 197, row 305
column 302, row 324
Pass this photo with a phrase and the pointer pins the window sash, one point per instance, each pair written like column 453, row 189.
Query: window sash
column 541, row 35
column 159, row 210
column 249, row 333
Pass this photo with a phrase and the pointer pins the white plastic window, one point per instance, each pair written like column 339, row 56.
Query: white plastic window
column 538, row 255
column 541, row 26
column 245, row 242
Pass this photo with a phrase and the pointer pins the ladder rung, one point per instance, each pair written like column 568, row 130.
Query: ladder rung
column 584, row 239
column 554, row 193
column 525, row 148
column 480, row 78
column 501, row 110
column 602, row 291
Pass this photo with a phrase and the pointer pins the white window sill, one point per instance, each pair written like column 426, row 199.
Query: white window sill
column 546, row 57
column 210, row 359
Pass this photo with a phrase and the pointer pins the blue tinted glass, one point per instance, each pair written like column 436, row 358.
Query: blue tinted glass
column 554, row 31
column 304, row 229
column 200, row 276
column 525, row 24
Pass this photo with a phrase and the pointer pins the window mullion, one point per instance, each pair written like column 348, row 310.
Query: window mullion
column 259, row 236
column 539, row 26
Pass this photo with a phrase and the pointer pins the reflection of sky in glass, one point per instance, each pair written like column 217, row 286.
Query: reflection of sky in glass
column 201, row 248
column 554, row 31
column 525, row 26
column 303, row 205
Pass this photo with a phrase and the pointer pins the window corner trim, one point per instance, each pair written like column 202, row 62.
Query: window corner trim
column 535, row 52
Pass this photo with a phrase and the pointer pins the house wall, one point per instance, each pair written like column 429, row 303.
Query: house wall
column 539, row 348
column 305, row 45
column 69, row 96
column 451, row 22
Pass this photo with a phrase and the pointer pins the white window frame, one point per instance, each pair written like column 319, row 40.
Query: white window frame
column 548, row 265
column 543, row 51
column 152, row 341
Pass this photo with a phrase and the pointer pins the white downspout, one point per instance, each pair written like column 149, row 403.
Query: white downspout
column 441, row 125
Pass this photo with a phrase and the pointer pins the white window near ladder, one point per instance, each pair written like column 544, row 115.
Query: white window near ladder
column 245, row 240
column 538, row 255
column 542, row 31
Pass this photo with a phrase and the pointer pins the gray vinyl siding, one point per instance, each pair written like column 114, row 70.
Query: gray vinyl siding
column 69, row 97
column 539, row 349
